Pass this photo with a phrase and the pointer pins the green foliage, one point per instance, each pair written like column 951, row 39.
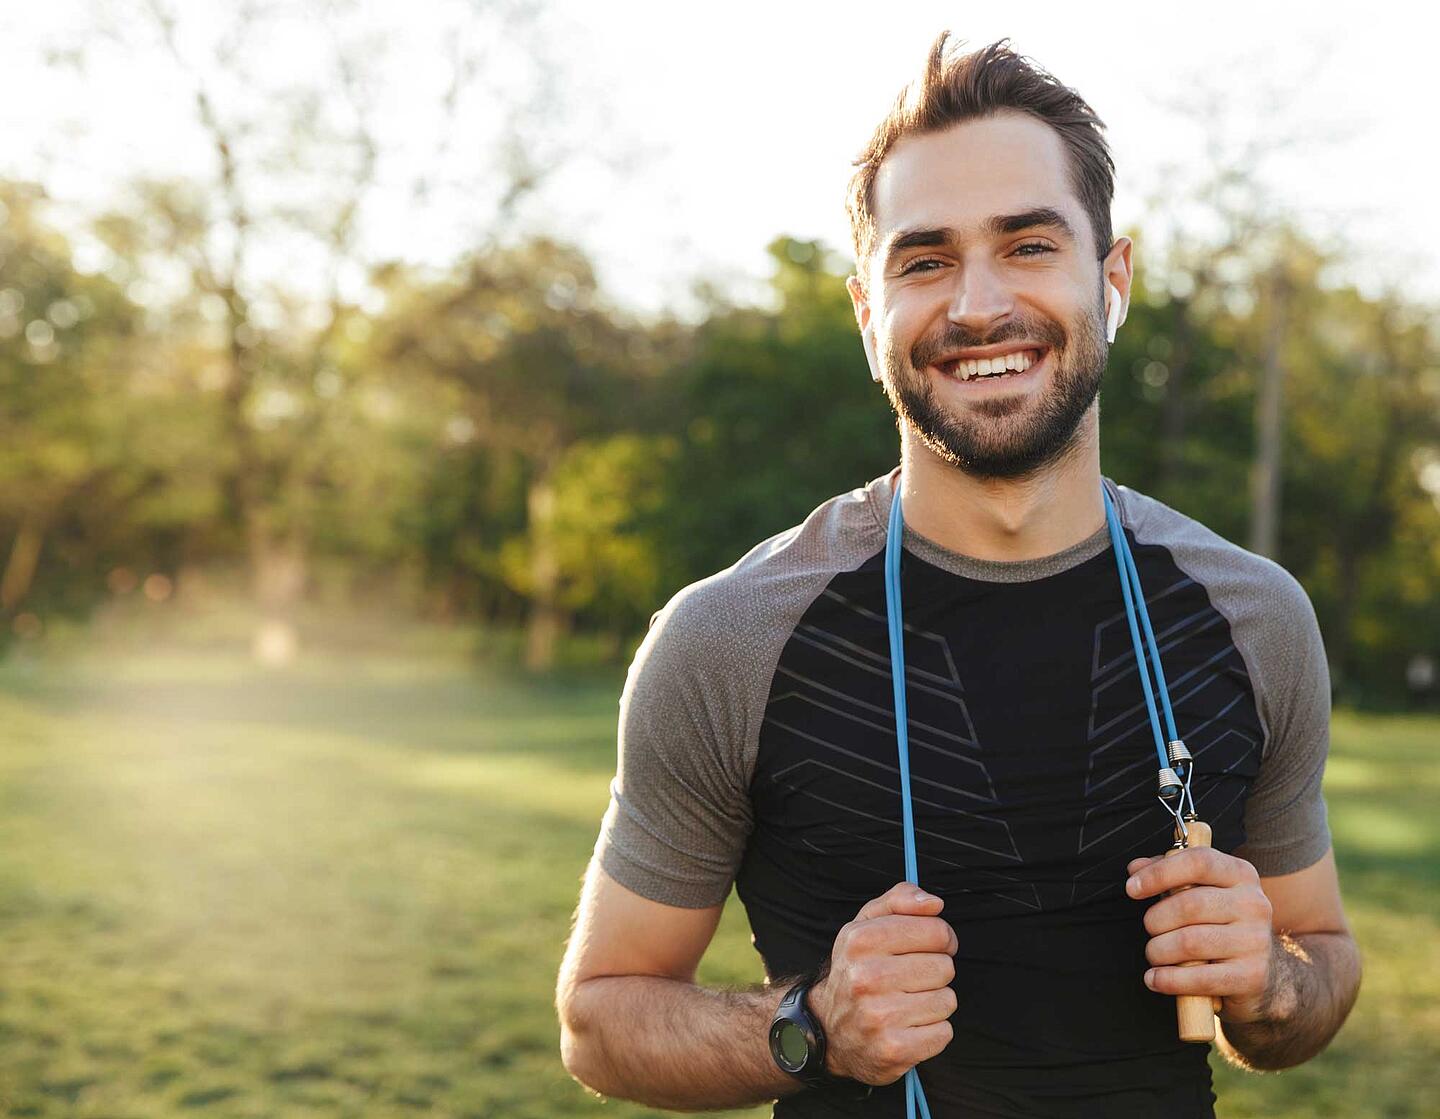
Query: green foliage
column 503, row 439
column 608, row 505
column 778, row 413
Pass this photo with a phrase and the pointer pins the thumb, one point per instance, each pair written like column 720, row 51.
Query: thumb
column 903, row 897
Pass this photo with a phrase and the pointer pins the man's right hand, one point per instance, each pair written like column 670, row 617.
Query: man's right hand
column 886, row 1000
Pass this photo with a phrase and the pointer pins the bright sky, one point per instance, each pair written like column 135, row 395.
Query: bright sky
column 745, row 118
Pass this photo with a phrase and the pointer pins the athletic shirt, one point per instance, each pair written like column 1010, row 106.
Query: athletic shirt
column 757, row 748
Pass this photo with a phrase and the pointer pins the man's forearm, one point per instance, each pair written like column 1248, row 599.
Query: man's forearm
column 671, row 1044
column 1314, row 978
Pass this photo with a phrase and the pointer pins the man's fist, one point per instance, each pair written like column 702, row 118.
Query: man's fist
column 1224, row 920
column 885, row 1001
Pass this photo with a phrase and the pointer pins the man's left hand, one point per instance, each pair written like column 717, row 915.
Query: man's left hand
column 1223, row 920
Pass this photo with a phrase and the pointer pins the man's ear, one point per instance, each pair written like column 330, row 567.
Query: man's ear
column 866, row 324
column 1118, row 270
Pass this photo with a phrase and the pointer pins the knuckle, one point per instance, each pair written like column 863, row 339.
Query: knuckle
column 863, row 936
column 862, row 978
column 1155, row 952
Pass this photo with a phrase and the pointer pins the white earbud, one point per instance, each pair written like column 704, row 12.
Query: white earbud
column 1112, row 320
column 867, row 336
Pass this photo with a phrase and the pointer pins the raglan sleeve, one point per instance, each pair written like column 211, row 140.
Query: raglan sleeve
column 680, row 812
column 1286, row 823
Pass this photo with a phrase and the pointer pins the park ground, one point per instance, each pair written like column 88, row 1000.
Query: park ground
column 343, row 889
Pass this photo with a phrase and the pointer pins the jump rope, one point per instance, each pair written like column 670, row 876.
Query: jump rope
column 1195, row 1012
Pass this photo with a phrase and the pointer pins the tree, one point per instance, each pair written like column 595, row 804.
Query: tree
column 538, row 364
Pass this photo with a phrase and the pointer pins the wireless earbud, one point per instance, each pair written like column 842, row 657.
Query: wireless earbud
column 1112, row 319
column 867, row 336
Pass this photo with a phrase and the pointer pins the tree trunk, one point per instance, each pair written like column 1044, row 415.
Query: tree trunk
column 546, row 623
column 1269, row 431
column 277, row 568
column 24, row 558
column 1172, row 407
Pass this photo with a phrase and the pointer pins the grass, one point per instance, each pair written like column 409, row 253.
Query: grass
column 344, row 891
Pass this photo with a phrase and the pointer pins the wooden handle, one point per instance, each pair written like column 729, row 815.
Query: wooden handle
column 1196, row 1013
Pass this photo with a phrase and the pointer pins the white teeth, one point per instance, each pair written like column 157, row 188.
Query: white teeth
column 984, row 367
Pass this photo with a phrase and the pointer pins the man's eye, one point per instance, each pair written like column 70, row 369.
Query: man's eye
column 915, row 265
column 1035, row 245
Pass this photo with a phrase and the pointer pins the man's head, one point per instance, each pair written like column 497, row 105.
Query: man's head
column 980, row 138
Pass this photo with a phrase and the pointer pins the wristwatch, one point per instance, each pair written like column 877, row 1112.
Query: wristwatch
column 796, row 1040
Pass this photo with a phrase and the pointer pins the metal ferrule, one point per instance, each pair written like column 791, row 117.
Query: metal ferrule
column 1171, row 789
column 1179, row 757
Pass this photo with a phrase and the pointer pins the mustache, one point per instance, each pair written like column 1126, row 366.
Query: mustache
column 927, row 350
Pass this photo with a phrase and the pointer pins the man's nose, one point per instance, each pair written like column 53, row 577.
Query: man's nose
column 980, row 299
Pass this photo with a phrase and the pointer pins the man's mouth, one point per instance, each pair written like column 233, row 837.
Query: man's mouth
column 1000, row 367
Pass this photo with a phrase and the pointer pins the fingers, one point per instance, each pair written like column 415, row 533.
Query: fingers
column 915, row 971
column 903, row 897
column 1207, row 943
column 1136, row 864
column 1230, row 977
column 1195, row 866
column 926, row 1041
column 928, row 1007
column 896, row 935
column 1207, row 905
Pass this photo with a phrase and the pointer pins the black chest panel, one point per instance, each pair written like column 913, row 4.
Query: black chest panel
column 1033, row 782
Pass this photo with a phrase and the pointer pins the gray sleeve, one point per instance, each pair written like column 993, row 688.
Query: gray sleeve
column 1285, row 818
column 680, row 811
column 1272, row 623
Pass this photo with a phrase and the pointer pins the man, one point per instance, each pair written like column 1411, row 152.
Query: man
column 1036, row 974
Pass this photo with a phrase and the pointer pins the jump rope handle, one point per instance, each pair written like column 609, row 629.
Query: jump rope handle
column 1196, row 1013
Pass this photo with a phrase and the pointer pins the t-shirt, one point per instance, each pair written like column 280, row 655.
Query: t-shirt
column 757, row 747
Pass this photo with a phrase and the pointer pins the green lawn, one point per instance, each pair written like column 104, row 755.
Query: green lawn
column 344, row 891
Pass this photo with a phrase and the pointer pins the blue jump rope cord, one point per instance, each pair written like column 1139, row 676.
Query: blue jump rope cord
column 913, row 1092
column 1125, row 563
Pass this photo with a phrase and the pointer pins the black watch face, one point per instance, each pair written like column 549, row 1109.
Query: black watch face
column 793, row 1047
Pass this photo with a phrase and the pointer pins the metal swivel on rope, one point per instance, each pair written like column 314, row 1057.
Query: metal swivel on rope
column 1182, row 763
column 1172, row 796
column 1179, row 758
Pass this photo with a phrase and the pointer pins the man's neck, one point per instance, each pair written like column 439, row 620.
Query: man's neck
column 1003, row 519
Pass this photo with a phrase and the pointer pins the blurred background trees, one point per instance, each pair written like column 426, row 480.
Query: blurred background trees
column 499, row 447
column 496, row 444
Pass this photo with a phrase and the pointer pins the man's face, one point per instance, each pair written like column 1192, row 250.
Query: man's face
column 941, row 283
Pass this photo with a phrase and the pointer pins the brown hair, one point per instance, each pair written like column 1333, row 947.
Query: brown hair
column 978, row 85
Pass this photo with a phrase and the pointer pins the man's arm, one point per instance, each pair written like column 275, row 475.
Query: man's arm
column 1313, row 979
column 634, row 1025
column 1277, row 951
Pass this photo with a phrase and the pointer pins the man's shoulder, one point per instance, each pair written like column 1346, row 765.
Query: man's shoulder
column 1239, row 581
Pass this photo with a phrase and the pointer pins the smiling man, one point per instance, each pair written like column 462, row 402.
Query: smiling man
column 1035, row 975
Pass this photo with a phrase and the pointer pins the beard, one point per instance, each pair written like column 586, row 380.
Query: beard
column 1002, row 436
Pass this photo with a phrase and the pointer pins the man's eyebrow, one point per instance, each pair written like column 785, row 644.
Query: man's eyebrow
column 997, row 225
